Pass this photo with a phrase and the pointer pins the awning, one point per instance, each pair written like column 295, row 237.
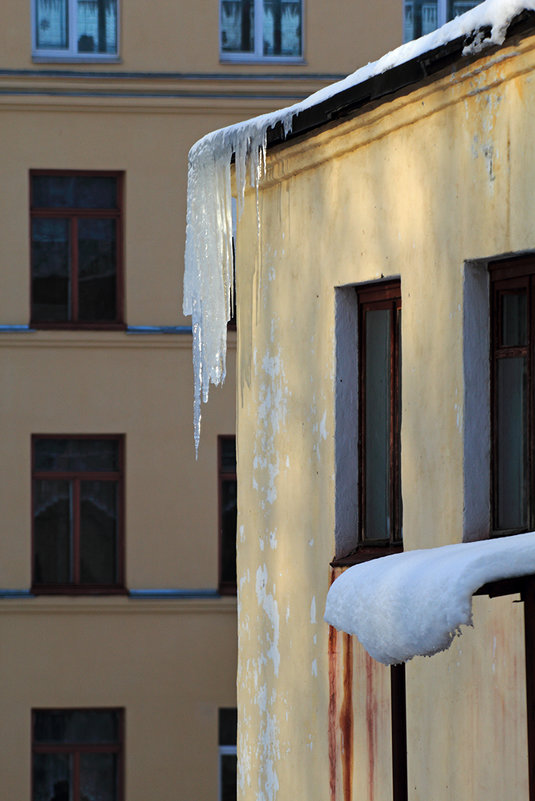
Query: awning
column 414, row 603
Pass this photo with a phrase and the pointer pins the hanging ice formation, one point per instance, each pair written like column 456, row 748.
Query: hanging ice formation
column 208, row 278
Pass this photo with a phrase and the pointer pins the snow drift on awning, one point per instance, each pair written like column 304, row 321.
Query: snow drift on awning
column 413, row 603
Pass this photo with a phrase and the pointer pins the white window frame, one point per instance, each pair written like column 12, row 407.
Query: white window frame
column 257, row 54
column 70, row 53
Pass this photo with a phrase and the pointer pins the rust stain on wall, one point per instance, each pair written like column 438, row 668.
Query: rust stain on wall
column 371, row 724
column 333, row 665
column 346, row 718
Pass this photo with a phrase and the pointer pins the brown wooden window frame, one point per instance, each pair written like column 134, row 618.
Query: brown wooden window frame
column 75, row 749
column 506, row 276
column 76, row 476
column 225, row 587
column 72, row 215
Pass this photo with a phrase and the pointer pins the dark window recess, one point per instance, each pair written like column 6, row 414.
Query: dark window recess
column 380, row 415
column 228, row 724
column 77, row 514
column 76, row 250
column 513, row 405
column 227, row 514
column 77, row 755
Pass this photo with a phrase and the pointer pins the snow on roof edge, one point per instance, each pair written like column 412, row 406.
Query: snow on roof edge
column 208, row 274
column 414, row 603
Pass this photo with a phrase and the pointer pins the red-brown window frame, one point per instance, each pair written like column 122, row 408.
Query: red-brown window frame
column 73, row 214
column 506, row 275
column 75, row 587
column 224, row 587
column 374, row 297
column 78, row 748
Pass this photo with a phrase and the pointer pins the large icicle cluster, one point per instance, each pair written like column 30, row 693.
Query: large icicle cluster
column 414, row 603
column 208, row 279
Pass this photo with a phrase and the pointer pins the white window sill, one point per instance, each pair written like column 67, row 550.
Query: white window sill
column 86, row 58
column 250, row 58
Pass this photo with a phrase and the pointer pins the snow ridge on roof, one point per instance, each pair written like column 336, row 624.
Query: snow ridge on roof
column 208, row 277
column 414, row 603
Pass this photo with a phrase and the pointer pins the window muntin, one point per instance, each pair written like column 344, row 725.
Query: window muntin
column 228, row 760
column 77, row 514
column 76, row 249
column 85, row 29
column 423, row 16
column 379, row 414
column 77, row 755
column 512, row 406
column 228, row 511
column 261, row 29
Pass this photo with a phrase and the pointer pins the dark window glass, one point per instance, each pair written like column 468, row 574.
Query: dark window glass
column 77, row 755
column 228, row 723
column 237, row 26
column 75, row 249
column 279, row 24
column 379, row 400
column 77, row 533
column 513, row 405
column 228, row 506
column 423, row 16
column 282, row 28
column 95, row 23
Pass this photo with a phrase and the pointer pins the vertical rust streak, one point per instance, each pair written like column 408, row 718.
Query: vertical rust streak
column 371, row 725
column 333, row 669
column 346, row 719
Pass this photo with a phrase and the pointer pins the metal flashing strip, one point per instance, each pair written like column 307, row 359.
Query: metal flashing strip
column 176, row 76
column 176, row 594
column 11, row 329
column 15, row 594
column 158, row 329
column 153, row 95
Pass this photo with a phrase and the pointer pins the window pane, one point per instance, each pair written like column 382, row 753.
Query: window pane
column 74, row 192
column 76, row 726
column 98, row 777
column 51, row 23
column 282, row 28
column 228, row 532
column 52, row 514
column 98, row 532
column 97, row 257
column 458, row 7
column 229, row 763
column 50, row 270
column 228, row 454
column 420, row 17
column 97, row 26
column 514, row 318
column 511, row 443
column 76, row 455
column 237, row 26
column 228, row 726
column 52, row 777
column 377, row 424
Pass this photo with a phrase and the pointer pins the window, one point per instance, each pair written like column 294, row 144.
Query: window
column 228, row 760
column 77, row 755
column 75, row 29
column 423, row 16
column 261, row 30
column 76, row 249
column 512, row 390
column 77, row 514
column 379, row 414
column 228, row 491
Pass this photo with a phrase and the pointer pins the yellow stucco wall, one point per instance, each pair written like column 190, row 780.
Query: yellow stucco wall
column 414, row 187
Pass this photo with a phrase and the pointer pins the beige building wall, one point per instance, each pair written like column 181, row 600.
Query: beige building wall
column 417, row 187
column 169, row 661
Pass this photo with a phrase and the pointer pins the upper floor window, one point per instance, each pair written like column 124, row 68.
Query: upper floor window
column 77, row 514
column 77, row 754
column 76, row 249
column 423, row 16
column 512, row 392
column 380, row 414
column 78, row 29
column 228, row 511
column 261, row 30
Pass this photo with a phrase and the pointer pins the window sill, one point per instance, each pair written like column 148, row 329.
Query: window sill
column 37, row 589
column 42, row 326
column 365, row 553
column 248, row 58
column 89, row 58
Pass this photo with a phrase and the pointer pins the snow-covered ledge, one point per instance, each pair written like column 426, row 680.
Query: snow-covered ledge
column 414, row 603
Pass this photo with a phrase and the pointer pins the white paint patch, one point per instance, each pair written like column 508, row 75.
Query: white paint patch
column 313, row 610
column 273, row 542
column 269, row 605
column 323, row 426
column 314, row 667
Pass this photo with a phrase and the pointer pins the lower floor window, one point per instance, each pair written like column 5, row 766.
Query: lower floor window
column 77, row 755
column 228, row 760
